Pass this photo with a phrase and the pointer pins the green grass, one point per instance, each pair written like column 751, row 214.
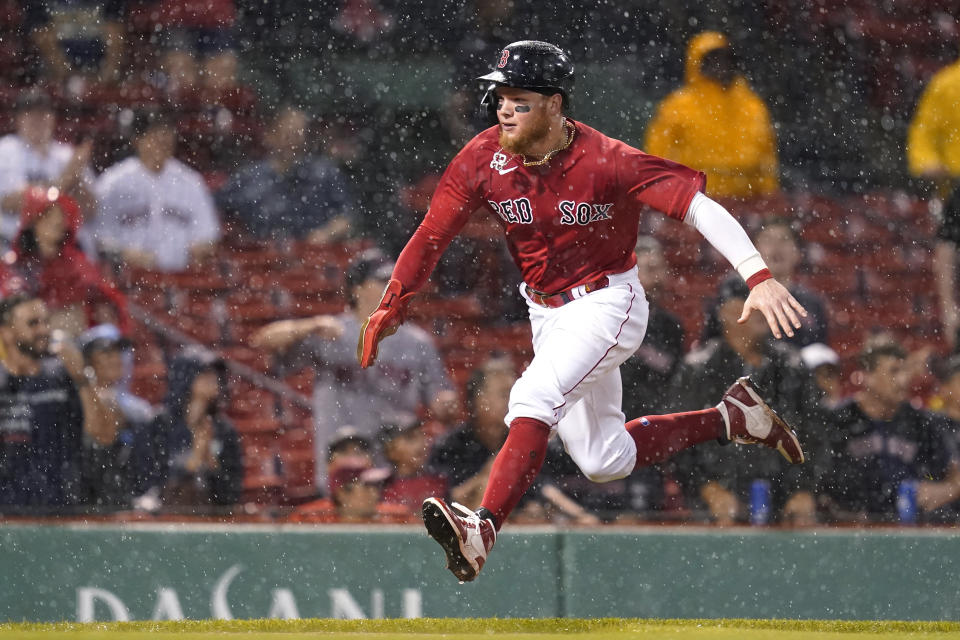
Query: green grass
column 484, row 629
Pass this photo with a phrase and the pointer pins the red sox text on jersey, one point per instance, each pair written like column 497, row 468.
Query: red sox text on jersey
column 568, row 222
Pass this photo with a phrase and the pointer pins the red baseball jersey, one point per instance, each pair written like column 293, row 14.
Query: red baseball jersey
column 570, row 221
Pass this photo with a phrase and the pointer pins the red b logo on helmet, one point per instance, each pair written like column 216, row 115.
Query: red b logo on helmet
column 503, row 59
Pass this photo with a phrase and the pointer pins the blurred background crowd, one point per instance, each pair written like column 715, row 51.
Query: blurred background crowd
column 200, row 199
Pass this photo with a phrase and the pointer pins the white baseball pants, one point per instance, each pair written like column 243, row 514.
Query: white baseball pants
column 573, row 383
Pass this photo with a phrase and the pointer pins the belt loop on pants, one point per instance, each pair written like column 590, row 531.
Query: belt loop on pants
column 555, row 300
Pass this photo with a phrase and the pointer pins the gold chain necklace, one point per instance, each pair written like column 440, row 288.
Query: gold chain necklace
column 571, row 131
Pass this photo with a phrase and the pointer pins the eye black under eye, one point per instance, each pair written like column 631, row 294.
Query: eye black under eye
column 522, row 108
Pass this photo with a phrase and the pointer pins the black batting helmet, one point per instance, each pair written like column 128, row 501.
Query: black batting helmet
column 532, row 65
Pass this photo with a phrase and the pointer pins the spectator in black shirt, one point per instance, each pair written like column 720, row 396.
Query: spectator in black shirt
column 465, row 454
column 646, row 374
column 878, row 440
column 108, row 464
column 193, row 456
column 50, row 414
column 721, row 476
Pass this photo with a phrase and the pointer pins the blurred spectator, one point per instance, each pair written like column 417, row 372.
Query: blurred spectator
column 933, row 139
column 78, row 38
column 409, row 376
column 878, row 440
column 109, row 476
column 407, row 453
column 465, row 455
column 52, row 419
column 933, row 153
column 646, row 375
column 824, row 363
column 347, row 447
column 292, row 193
column 30, row 157
column 356, row 492
column 722, row 476
column 107, row 354
column 198, row 42
column 155, row 211
column 51, row 266
column 779, row 244
column 717, row 124
column 193, row 455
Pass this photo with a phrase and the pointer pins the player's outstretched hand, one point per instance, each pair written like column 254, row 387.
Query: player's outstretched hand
column 777, row 305
column 383, row 322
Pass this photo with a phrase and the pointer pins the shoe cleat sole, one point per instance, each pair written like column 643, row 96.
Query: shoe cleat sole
column 444, row 531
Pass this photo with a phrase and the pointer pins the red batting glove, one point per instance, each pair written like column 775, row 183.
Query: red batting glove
column 383, row 322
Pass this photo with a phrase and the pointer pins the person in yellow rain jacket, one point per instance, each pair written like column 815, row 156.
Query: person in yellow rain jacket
column 717, row 124
column 933, row 139
column 933, row 152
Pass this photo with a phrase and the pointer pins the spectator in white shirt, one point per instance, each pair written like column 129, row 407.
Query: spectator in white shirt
column 30, row 157
column 155, row 211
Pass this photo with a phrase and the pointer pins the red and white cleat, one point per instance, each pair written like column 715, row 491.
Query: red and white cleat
column 750, row 420
column 466, row 538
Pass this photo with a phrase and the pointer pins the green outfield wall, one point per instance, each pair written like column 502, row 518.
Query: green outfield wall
column 135, row 572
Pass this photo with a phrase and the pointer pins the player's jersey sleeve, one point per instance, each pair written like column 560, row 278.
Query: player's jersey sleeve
column 457, row 196
column 659, row 183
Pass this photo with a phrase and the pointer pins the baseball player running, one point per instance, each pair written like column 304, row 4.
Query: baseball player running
column 569, row 200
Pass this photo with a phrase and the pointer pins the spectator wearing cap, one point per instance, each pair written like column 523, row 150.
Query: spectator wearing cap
column 108, row 355
column 409, row 376
column 109, row 476
column 50, row 265
column 824, row 363
column 878, row 440
column 192, row 456
column 719, row 477
column 155, row 212
column 356, row 492
column 294, row 192
column 407, row 452
column 348, row 447
column 30, row 157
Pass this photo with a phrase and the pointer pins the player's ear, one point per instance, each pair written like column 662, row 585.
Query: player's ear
column 555, row 104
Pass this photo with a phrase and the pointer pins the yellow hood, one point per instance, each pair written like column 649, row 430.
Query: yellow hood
column 699, row 46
